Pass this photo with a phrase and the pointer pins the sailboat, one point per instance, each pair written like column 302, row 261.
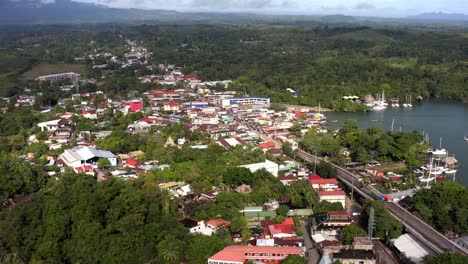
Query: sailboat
column 380, row 103
column 409, row 104
column 440, row 152
column 428, row 178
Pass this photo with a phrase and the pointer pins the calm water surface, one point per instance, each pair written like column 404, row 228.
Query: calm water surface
column 444, row 119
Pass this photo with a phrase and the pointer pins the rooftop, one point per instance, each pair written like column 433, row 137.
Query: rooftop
column 237, row 253
column 329, row 193
column 354, row 254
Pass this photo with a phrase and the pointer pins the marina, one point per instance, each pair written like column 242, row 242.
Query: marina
column 443, row 123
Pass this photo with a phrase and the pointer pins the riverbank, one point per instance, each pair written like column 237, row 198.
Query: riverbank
column 436, row 118
column 292, row 108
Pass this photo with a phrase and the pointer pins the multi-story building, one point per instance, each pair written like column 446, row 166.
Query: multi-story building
column 239, row 254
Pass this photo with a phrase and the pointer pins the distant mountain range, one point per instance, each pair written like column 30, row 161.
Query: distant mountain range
column 68, row 11
column 439, row 16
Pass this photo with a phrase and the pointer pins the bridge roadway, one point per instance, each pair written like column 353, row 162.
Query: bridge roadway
column 422, row 231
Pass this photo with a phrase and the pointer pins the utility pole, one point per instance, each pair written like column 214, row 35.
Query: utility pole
column 370, row 227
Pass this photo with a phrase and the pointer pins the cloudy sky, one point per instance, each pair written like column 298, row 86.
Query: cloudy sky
column 393, row 8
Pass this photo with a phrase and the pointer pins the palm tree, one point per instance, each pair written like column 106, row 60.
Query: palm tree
column 170, row 250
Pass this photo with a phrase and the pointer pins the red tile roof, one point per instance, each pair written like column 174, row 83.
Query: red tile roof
column 288, row 221
column 86, row 168
column 281, row 229
column 336, row 213
column 314, row 177
column 237, row 253
column 132, row 162
column 172, row 103
column 216, row 223
column 325, row 193
column 269, row 144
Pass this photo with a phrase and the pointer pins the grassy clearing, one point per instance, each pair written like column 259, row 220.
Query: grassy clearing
column 44, row 69
column 401, row 62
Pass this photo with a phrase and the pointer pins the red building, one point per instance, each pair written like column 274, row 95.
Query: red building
column 136, row 105
column 242, row 254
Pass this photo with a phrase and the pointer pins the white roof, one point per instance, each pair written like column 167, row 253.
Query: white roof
column 85, row 153
column 412, row 248
column 322, row 237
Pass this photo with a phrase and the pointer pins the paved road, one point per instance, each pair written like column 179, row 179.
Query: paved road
column 428, row 235
column 313, row 256
column 384, row 254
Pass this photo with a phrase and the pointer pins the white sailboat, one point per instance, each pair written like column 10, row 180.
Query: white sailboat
column 409, row 104
column 380, row 103
column 440, row 152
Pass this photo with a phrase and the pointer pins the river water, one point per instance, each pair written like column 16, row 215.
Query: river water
column 440, row 119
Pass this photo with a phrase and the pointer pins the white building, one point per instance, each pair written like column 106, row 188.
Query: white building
column 246, row 101
column 209, row 227
column 270, row 166
column 413, row 250
column 59, row 76
column 83, row 155
column 333, row 197
column 49, row 125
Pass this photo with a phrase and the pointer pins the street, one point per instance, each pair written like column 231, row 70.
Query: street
column 313, row 256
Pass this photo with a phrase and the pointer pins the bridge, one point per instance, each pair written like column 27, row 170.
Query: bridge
column 418, row 228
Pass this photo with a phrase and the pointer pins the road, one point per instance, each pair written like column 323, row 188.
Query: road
column 313, row 256
column 425, row 233
column 384, row 254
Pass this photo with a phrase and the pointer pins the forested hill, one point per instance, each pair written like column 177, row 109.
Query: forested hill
column 322, row 63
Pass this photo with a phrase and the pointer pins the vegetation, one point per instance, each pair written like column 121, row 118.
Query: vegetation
column 350, row 232
column 386, row 227
column 447, row 257
column 368, row 145
column 444, row 206
column 321, row 63
column 294, row 259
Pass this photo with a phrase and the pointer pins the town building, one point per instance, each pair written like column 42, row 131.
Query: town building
column 269, row 166
column 136, row 105
column 258, row 100
column 209, row 227
column 59, row 77
column 333, row 197
column 409, row 246
column 239, row 254
column 83, row 155
column 352, row 256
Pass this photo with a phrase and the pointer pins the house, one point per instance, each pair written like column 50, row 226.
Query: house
column 256, row 213
column 86, row 169
column 269, row 166
column 239, row 254
column 172, row 106
column 285, row 229
column 333, row 197
column 90, row 114
column 209, row 227
column 51, row 125
column 131, row 163
column 351, row 256
column 83, row 155
column 271, row 205
column 324, row 184
column 338, row 219
column 286, row 180
column 136, row 105
column 230, row 142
